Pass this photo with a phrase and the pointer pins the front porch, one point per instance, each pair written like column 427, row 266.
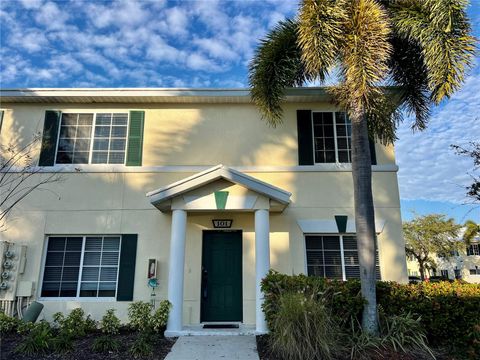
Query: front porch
column 218, row 191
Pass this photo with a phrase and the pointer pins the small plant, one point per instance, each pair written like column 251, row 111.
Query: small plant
column 160, row 316
column 362, row 344
column 110, row 326
column 404, row 333
column 305, row 329
column 8, row 324
column 105, row 343
column 143, row 345
column 62, row 343
column 38, row 340
column 140, row 315
column 110, row 323
column 75, row 325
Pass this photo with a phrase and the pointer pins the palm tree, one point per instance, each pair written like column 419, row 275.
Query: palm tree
column 422, row 47
column 472, row 230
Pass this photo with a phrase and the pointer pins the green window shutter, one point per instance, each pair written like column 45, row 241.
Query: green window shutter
column 135, row 138
column 49, row 138
column 305, row 137
column 373, row 154
column 126, row 271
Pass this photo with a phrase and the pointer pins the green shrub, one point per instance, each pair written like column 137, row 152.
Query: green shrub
column 110, row 323
column 140, row 315
column 448, row 311
column 105, row 343
column 305, row 329
column 8, row 324
column 342, row 298
column 38, row 340
column 75, row 325
column 62, row 343
column 143, row 345
column 160, row 316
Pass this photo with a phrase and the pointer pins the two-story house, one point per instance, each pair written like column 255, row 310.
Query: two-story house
column 191, row 187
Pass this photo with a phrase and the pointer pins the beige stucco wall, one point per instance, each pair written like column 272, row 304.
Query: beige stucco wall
column 109, row 202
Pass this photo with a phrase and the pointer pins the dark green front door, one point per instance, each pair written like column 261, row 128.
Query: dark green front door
column 221, row 295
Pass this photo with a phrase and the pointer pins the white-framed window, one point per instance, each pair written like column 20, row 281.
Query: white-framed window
column 475, row 271
column 81, row 267
column 473, row 249
column 92, row 138
column 444, row 274
column 332, row 137
column 334, row 256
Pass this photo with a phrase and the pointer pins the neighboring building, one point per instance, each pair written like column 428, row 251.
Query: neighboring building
column 144, row 192
column 464, row 265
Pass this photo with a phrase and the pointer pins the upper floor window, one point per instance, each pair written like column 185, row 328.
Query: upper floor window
column 473, row 249
column 326, row 137
column 334, row 257
column 332, row 133
column 87, row 138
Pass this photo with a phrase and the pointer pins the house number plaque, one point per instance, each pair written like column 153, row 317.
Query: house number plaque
column 222, row 223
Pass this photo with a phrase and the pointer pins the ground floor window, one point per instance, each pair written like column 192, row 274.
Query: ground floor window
column 475, row 271
column 444, row 273
column 334, row 257
column 81, row 266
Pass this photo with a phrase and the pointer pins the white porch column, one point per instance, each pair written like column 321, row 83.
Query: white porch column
column 175, row 271
column 262, row 263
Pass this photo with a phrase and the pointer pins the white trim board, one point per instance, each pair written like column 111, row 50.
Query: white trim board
column 116, row 168
column 329, row 226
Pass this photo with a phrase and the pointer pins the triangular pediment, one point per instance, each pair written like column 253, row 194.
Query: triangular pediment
column 219, row 188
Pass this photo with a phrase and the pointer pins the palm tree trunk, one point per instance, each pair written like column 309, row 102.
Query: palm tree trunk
column 364, row 218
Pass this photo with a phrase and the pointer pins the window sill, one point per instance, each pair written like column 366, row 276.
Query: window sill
column 77, row 299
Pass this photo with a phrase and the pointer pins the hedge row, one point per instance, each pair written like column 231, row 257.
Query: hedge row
column 450, row 312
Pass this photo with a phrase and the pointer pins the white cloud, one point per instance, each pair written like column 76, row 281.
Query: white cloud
column 429, row 168
column 118, row 14
column 216, row 48
column 31, row 4
column 158, row 50
column 176, row 21
column 32, row 41
column 196, row 61
column 51, row 16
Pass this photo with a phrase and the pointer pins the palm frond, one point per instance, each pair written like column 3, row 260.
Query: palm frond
column 409, row 73
column 320, row 32
column 365, row 53
column 442, row 30
column 275, row 66
column 384, row 116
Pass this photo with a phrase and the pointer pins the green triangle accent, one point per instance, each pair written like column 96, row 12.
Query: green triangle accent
column 341, row 221
column 221, row 199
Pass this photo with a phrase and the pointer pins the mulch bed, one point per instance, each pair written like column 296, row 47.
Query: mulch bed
column 83, row 349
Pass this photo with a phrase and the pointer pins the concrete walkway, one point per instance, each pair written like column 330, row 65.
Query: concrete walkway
column 214, row 348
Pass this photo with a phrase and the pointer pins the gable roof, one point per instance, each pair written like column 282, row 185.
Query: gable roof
column 166, row 193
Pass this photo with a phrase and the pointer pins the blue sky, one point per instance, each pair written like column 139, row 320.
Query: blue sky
column 156, row 43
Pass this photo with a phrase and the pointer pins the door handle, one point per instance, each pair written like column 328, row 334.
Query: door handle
column 205, row 283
